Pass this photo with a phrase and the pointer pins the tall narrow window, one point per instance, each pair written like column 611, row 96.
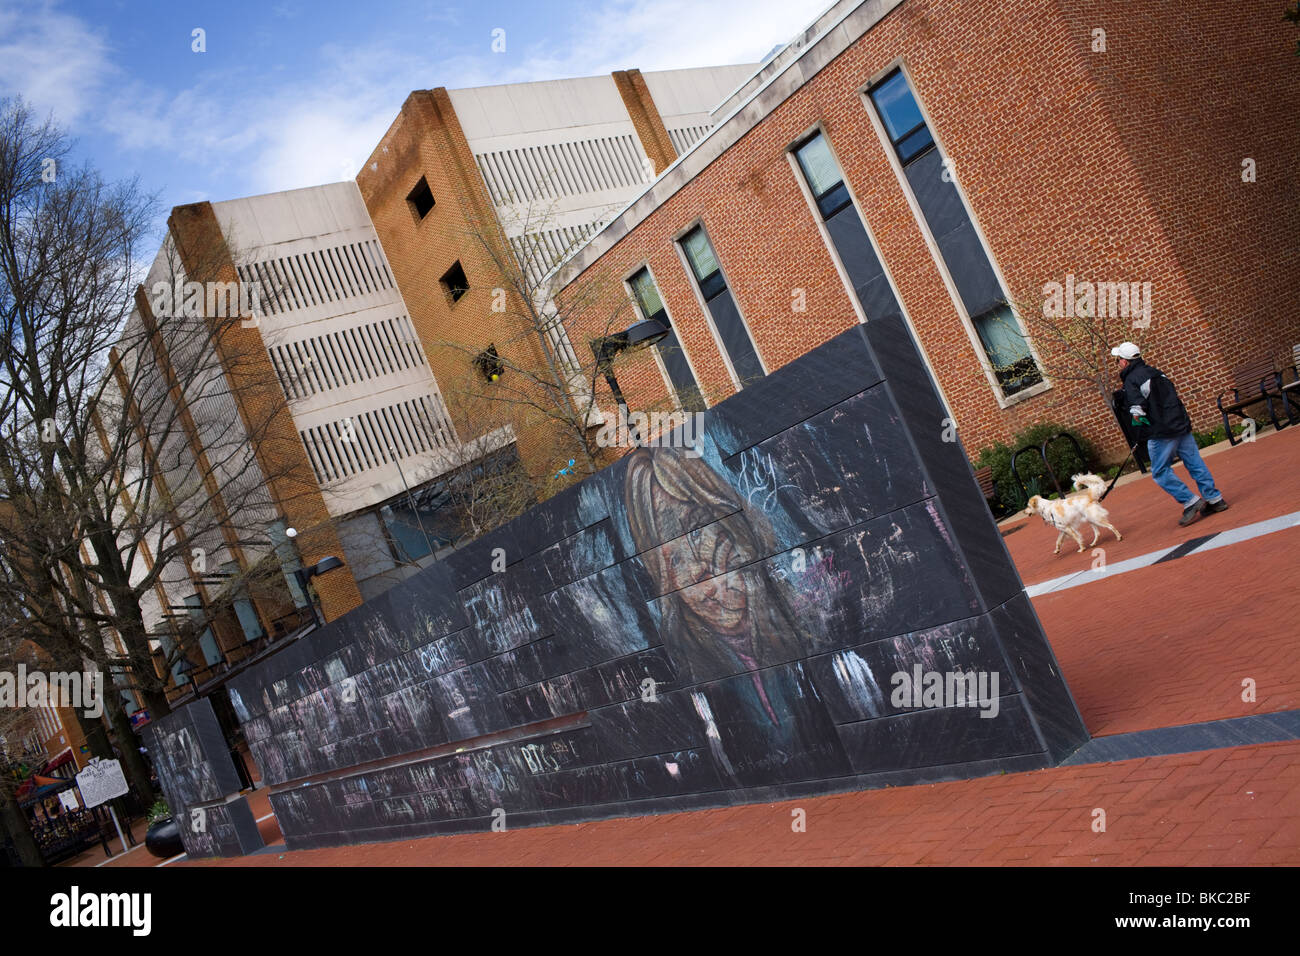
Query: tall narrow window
column 731, row 329
column 207, row 640
column 954, row 233
column 651, row 306
column 847, row 232
column 244, row 610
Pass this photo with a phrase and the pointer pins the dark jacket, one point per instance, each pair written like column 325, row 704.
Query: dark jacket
column 1149, row 392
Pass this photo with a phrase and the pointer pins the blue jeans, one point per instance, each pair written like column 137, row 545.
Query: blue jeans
column 1162, row 452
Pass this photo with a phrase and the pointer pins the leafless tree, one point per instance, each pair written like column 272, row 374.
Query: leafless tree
column 126, row 469
column 540, row 379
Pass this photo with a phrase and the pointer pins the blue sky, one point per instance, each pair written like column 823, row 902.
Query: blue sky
column 293, row 93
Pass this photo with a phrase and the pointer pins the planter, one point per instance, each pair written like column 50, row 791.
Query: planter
column 163, row 839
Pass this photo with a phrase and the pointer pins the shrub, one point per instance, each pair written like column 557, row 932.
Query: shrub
column 159, row 811
column 1061, row 454
column 1216, row 435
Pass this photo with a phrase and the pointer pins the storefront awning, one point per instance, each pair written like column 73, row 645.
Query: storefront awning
column 57, row 762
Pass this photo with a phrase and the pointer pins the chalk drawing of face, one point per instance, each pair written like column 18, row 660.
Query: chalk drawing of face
column 721, row 613
column 697, row 564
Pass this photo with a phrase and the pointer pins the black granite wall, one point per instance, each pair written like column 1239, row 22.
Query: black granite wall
column 687, row 627
column 200, row 783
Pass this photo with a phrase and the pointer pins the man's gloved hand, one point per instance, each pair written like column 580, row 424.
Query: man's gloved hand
column 1141, row 420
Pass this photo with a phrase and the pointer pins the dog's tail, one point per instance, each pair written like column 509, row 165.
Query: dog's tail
column 1095, row 485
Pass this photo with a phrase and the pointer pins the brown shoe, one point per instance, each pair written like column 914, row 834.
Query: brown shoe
column 1193, row 512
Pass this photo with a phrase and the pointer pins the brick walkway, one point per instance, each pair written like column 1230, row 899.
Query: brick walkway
column 1259, row 480
column 1159, row 646
column 1217, row 807
column 1171, row 643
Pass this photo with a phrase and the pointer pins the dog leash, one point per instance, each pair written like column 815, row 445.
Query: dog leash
column 1120, row 472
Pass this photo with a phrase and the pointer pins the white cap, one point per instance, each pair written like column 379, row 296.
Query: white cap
column 1126, row 350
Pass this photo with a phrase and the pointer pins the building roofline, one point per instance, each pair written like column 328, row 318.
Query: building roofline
column 728, row 131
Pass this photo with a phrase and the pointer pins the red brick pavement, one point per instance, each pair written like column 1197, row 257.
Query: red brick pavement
column 1258, row 479
column 1171, row 643
column 1163, row 645
column 1236, row 806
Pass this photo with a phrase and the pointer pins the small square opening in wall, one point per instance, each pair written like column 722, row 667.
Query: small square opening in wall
column 421, row 198
column 454, row 281
column 489, row 364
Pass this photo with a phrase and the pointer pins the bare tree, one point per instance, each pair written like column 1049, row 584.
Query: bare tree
column 16, row 726
column 540, row 377
column 126, row 468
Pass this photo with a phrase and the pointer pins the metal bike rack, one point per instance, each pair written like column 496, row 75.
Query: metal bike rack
column 1047, row 466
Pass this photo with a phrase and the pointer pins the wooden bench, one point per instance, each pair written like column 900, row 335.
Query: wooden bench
column 1252, row 383
column 1291, row 390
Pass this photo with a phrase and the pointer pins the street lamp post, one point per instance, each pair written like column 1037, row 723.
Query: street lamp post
column 304, row 575
column 640, row 336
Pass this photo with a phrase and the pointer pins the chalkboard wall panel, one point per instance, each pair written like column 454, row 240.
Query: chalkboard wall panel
column 753, row 617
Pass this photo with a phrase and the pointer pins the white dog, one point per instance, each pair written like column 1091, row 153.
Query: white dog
column 1072, row 512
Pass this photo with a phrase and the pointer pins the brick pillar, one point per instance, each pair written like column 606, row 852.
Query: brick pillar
column 646, row 120
column 428, row 140
column 263, row 412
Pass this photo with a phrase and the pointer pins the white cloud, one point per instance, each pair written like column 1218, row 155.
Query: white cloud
column 306, row 126
column 292, row 131
column 645, row 34
column 56, row 61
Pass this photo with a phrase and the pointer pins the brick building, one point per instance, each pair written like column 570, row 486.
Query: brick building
column 907, row 156
column 896, row 157
column 476, row 194
column 315, row 425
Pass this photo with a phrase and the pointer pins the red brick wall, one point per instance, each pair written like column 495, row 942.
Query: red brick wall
column 426, row 140
column 1057, row 174
column 1193, row 90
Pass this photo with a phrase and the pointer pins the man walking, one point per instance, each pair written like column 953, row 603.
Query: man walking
column 1154, row 403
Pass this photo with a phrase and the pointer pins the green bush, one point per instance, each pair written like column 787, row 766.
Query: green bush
column 1213, row 437
column 159, row 811
column 1065, row 462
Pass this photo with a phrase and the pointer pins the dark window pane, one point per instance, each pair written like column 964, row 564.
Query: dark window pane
column 897, row 106
column 713, row 285
column 939, row 200
column 735, row 338
column 860, row 261
column 833, row 200
column 679, row 373
column 914, row 144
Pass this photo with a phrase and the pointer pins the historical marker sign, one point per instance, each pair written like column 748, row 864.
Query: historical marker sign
column 101, row 781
